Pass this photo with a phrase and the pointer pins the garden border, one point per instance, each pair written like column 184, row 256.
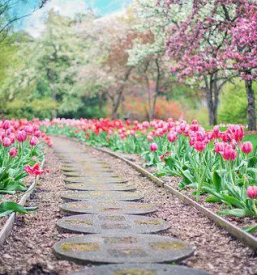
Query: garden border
column 235, row 231
column 8, row 226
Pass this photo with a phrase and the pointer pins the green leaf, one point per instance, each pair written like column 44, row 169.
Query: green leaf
column 216, row 178
column 213, row 199
column 234, row 212
column 5, row 213
column 7, row 192
column 252, row 162
column 12, row 206
column 250, row 229
column 233, row 201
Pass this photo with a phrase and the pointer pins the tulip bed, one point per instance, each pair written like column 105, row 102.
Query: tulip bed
column 21, row 155
column 217, row 165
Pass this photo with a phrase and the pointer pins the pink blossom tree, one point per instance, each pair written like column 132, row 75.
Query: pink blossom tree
column 205, row 45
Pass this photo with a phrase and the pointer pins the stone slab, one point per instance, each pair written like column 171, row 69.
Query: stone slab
column 111, row 223
column 140, row 269
column 89, row 173
column 101, row 196
column 107, row 207
column 95, row 187
column 94, row 180
column 122, row 248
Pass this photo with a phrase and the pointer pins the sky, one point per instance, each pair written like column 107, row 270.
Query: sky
column 34, row 24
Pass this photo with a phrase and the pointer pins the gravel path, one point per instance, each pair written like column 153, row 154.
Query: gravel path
column 29, row 249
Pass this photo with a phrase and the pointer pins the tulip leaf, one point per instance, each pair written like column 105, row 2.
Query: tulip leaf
column 234, row 212
column 12, row 206
column 213, row 199
column 216, row 178
column 250, row 229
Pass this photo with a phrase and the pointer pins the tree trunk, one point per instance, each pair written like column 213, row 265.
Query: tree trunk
column 116, row 104
column 157, row 84
column 216, row 100
column 212, row 96
column 251, row 105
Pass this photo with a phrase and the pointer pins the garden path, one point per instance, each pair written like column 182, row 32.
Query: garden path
column 111, row 227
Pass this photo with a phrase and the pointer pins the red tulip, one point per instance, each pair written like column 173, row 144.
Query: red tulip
column 34, row 170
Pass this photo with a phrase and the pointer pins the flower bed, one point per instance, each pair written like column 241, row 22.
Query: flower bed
column 21, row 155
column 215, row 167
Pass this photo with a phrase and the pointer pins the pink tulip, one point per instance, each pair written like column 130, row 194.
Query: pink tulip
column 219, row 147
column 13, row 152
column 247, row 147
column 33, row 141
column 194, row 127
column 146, row 124
column 239, row 133
column 172, row 136
column 200, row 146
column 150, row 138
column 37, row 133
column 7, row 142
column 229, row 153
column 6, row 125
column 21, row 136
column 29, row 130
column 252, row 192
column 153, row 147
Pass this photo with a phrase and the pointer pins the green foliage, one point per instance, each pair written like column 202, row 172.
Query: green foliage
column 43, row 78
column 233, row 107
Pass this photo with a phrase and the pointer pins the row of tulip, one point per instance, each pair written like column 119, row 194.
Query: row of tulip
column 21, row 154
column 216, row 165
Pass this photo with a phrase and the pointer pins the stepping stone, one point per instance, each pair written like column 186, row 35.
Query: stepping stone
column 140, row 269
column 89, row 174
column 76, row 169
column 94, row 180
column 101, row 196
column 97, row 172
column 104, row 223
column 105, row 207
column 95, row 187
column 122, row 248
column 83, row 166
